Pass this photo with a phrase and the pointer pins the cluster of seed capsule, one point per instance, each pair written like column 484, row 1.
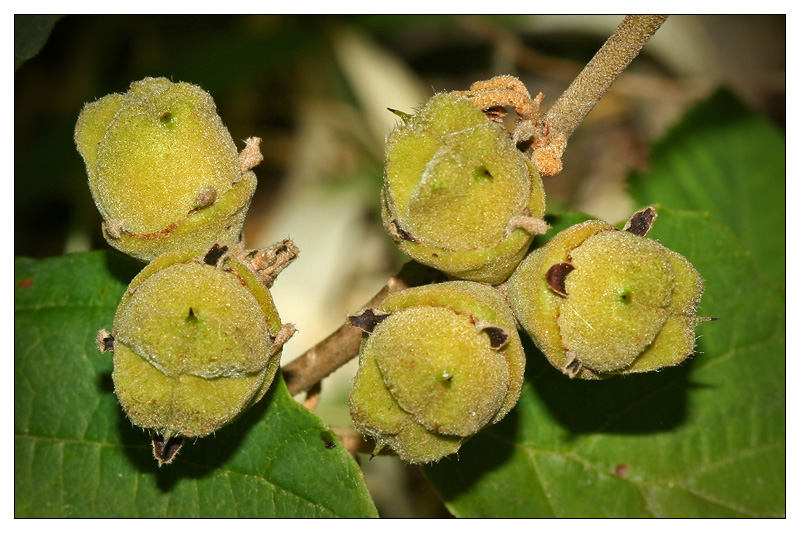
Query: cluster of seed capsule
column 461, row 195
column 196, row 337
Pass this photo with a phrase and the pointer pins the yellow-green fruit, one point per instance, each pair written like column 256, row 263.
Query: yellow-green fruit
column 598, row 301
column 197, row 340
column 163, row 169
column 458, row 195
column 437, row 363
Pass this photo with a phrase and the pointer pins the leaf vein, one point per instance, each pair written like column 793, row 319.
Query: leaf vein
column 735, row 456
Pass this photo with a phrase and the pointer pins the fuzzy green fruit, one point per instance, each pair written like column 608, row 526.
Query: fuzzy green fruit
column 163, row 169
column 458, row 195
column 439, row 362
column 598, row 301
column 196, row 341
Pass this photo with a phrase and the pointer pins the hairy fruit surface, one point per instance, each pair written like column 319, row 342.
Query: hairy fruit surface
column 599, row 301
column 196, row 341
column 458, row 195
column 163, row 169
column 437, row 363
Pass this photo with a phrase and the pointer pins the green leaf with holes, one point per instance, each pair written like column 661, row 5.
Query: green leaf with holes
column 76, row 455
column 705, row 439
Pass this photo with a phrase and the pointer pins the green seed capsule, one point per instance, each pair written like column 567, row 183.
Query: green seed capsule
column 598, row 301
column 439, row 362
column 197, row 340
column 163, row 169
column 458, row 195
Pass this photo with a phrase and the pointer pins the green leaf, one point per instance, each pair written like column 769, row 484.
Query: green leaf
column 30, row 34
column 725, row 159
column 705, row 439
column 76, row 455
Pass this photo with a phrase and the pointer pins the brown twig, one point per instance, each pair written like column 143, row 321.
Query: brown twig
column 312, row 396
column 343, row 344
column 591, row 84
column 598, row 75
column 353, row 441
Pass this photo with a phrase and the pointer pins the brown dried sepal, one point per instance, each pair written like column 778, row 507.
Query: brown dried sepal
column 556, row 277
column 268, row 262
column 573, row 366
column 166, row 449
column 367, row 319
column 504, row 91
column 547, row 159
column 641, row 221
column 104, row 341
column 532, row 132
column 399, row 234
column 113, row 228
column 279, row 339
column 533, row 225
column 498, row 337
column 250, row 156
column 214, row 254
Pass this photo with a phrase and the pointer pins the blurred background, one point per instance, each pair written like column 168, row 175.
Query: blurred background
column 316, row 89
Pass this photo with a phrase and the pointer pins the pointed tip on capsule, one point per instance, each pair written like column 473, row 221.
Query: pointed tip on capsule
column 165, row 449
column 378, row 448
column 403, row 116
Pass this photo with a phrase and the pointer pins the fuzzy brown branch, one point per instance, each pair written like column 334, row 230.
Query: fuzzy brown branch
column 598, row 75
column 571, row 108
column 342, row 345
